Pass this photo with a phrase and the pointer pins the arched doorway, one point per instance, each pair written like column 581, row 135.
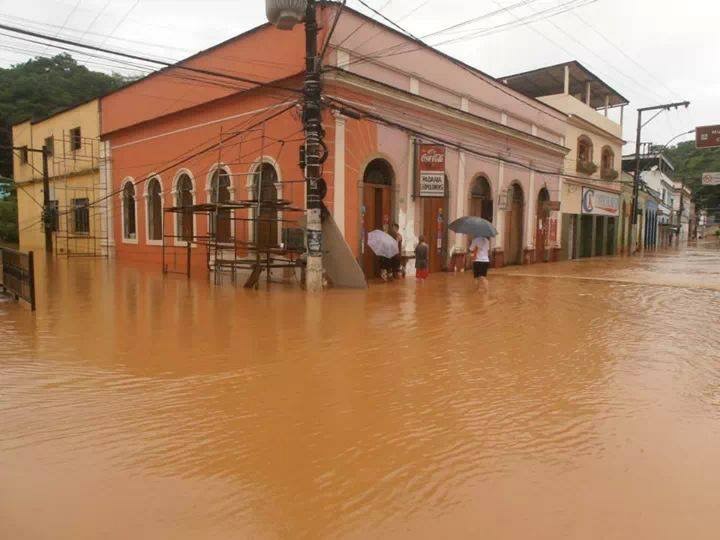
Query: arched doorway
column 542, row 226
column 265, row 190
column 378, row 181
column 481, row 203
column 514, row 223
column 221, row 221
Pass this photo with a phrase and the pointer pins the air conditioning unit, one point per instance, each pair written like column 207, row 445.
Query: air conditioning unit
column 285, row 14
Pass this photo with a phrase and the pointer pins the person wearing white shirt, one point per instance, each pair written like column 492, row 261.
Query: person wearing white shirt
column 480, row 249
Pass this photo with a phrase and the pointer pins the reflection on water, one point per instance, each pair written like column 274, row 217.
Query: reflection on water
column 137, row 406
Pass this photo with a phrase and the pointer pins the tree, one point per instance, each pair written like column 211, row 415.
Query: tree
column 690, row 164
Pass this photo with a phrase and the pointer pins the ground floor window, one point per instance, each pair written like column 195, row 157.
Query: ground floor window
column 81, row 216
column 129, row 225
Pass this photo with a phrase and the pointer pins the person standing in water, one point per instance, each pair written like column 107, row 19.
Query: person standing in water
column 422, row 262
column 480, row 249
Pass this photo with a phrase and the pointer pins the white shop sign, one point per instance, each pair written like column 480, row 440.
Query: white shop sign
column 600, row 203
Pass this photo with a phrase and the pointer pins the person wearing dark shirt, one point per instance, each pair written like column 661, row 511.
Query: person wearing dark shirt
column 422, row 256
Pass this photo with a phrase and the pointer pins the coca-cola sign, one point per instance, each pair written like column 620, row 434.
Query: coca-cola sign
column 432, row 157
column 432, row 170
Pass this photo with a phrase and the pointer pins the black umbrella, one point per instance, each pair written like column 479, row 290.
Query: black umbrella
column 474, row 226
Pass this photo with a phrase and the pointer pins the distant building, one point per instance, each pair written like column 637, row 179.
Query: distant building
column 79, row 218
column 656, row 179
column 592, row 222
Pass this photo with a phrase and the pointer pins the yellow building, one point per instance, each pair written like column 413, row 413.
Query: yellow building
column 77, row 187
column 590, row 195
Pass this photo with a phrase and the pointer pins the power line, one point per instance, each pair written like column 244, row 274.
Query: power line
column 145, row 59
column 121, row 21
column 341, row 107
column 405, row 48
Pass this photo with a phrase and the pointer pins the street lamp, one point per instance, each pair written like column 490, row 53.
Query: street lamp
column 285, row 14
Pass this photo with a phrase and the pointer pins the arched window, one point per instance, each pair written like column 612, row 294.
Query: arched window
column 128, row 198
column 265, row 190
column 481, row 203
column 585, row 149
column 608, row 163
column 221, row 221
column 379, row 172
column 185, row 200
column 154, row 210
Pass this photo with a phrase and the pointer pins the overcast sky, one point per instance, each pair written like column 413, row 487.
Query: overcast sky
column 651, row 52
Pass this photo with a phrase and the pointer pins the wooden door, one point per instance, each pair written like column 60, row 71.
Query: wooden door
column 377, row 210
column 435, row 231
column 542, row 228
column 514, row 233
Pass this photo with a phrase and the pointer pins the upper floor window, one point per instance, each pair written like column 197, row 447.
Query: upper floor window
column 23, row 155
column 607, row 170
column 585, row 156
column 75, row 139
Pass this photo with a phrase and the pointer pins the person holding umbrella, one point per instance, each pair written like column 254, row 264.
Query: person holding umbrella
column 481, row 231
column 480, row 249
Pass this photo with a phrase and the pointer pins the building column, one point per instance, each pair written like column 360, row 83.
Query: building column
column 107, row 188
column 499, row 215
column 593, row 240
column 566, row 90
column 339, row 174
column 530, row 215
column 605, row 222
column 460, row 199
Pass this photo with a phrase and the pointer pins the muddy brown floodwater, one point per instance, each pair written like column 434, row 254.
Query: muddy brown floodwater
column 577, row 400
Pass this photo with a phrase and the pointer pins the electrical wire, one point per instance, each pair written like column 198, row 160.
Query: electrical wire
column 341, row 106
column 63, row 41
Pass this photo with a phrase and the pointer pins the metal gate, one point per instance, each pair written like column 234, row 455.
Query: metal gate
column 17, row 274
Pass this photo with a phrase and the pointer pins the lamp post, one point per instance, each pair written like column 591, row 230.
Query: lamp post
column 285, row 14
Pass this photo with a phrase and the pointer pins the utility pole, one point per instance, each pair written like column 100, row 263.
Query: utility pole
column 314, row 151
column 284, row 15
column 48, row 217
column 636, row 180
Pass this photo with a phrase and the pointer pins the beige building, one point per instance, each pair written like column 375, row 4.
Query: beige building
column 78, row 211
column 590, row 202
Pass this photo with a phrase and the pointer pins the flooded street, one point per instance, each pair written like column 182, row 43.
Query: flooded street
column 577, row 400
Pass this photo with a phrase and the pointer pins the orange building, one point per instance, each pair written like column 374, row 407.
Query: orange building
column 186, row 136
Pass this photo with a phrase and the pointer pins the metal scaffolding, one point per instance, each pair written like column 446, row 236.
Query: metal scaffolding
column 227, row 251
column 82, row 227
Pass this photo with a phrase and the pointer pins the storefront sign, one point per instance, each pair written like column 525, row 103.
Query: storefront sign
column 711, row 179
column 600, row 203
column 432, row 170
column 503, row 200
column 707, row 137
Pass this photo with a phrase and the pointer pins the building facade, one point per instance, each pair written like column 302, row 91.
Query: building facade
column 656, row 181
column 591, row 186
column 172, row 145
column 77, row 191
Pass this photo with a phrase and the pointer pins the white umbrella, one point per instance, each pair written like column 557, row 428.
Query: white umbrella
column 383, row 244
